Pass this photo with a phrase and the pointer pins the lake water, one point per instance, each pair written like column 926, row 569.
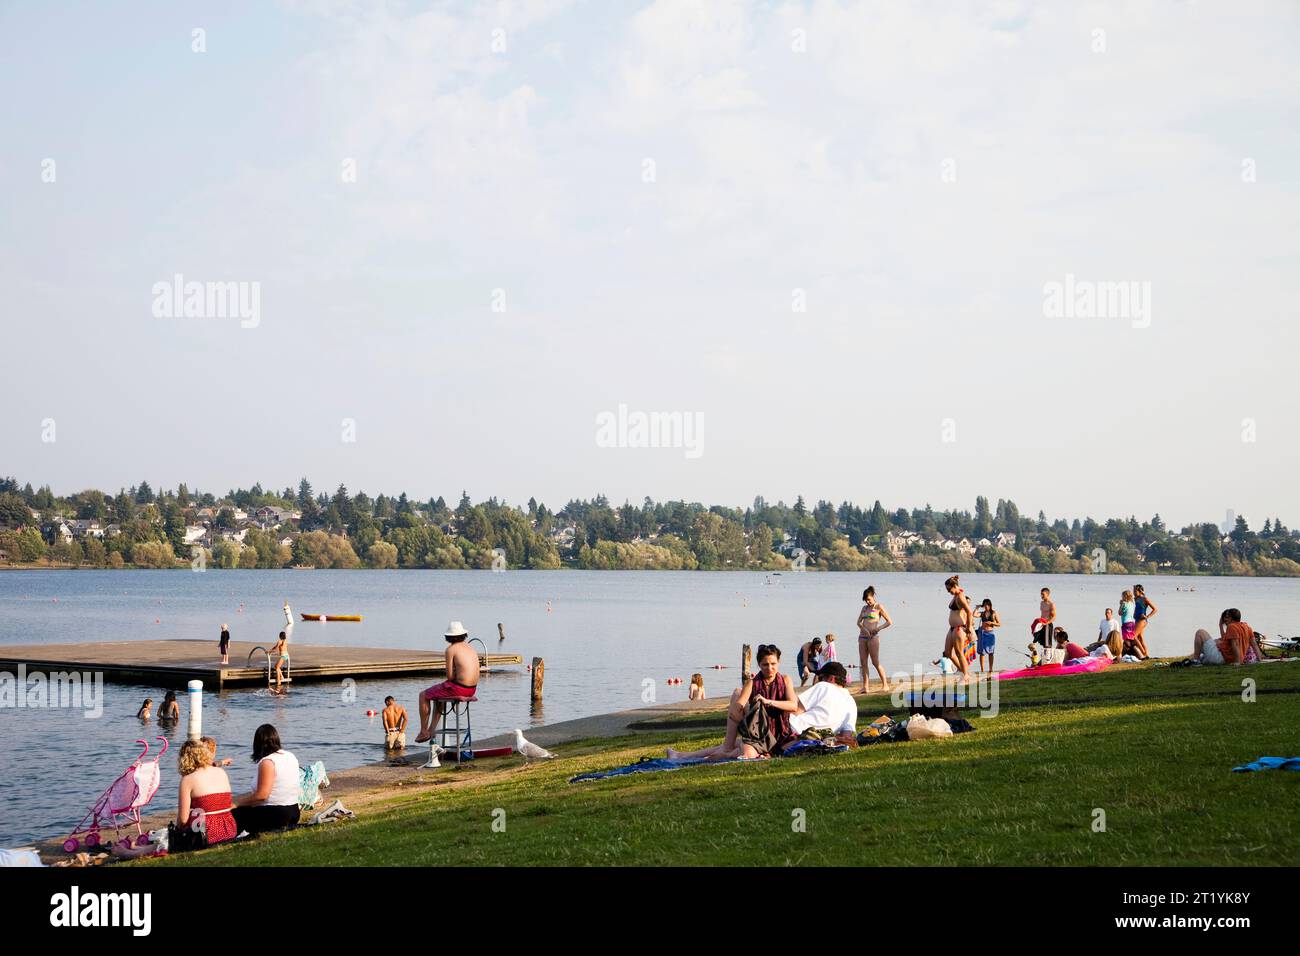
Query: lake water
column 602, row 634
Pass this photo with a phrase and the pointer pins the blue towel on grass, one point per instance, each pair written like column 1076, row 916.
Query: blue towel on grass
column 645, row 765
column 1270, row 763
column 654, row 764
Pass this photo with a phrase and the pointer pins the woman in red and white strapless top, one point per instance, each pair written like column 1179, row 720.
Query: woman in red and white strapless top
column 205, row 791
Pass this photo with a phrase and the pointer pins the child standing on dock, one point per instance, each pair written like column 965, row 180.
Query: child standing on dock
column 223, row 644
column 281, row 654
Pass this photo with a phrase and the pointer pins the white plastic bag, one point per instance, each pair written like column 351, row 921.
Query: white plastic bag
column 921, row 728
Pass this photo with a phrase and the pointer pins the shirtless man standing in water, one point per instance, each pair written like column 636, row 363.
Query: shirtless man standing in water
column 461, row 682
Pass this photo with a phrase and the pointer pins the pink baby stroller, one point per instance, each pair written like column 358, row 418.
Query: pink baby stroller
column 120, row 804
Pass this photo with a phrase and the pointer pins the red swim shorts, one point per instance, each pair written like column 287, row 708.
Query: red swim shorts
column 448, row 690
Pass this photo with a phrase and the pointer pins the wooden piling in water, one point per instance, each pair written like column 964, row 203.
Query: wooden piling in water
column 501, row 632
column 745, row 655
column 539, row 673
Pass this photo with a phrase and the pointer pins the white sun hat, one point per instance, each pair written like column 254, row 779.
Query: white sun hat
column 456, row 629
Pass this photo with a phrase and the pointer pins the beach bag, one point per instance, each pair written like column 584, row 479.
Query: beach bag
column 182, row 839
column 921, row 728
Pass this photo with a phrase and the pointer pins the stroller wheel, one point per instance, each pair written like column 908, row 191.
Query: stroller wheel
column 92, row 838
column 71, row 845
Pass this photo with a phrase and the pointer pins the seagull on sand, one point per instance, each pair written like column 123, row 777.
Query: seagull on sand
column 530, row 750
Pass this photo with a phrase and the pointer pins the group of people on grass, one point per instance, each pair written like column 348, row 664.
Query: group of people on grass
column 972, row 630
column 766, row 715
column 205, row 793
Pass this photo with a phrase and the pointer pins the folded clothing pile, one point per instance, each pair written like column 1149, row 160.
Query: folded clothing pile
column 335, row 811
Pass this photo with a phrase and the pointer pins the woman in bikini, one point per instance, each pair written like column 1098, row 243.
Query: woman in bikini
column 872, row 619
column 1143, row 611
column 960, row 627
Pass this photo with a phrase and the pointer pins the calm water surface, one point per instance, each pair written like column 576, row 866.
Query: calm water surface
column 602, row 635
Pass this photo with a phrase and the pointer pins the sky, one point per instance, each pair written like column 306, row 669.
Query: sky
column 825, row 234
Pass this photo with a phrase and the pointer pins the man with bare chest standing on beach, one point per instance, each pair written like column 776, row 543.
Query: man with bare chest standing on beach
column 1047, row 611
column 461, row 682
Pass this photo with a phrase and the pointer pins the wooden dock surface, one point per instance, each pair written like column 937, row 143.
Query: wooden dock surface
column 175, row 663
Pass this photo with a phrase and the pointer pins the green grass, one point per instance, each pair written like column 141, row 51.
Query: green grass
column 1152, row 747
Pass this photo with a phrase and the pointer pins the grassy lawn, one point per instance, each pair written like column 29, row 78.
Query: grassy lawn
column 1151, row 747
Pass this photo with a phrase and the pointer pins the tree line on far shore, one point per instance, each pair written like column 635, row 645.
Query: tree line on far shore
column 259, row 528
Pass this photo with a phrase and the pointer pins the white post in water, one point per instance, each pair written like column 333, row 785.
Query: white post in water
column 196, row 709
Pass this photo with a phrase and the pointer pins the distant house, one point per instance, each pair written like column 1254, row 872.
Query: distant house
column 895, row 544
column 984, row 543
column 1005, row 540
column 948, row 544
column 564, row 537
column 965, row 547
column 286, row 542
column 195, row 532
column 271, row 516
column 788, row 545
column 238, row 535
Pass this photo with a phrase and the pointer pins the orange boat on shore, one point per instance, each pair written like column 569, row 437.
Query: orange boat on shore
column 332, row 617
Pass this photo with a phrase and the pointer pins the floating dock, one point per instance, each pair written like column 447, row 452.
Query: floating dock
column 175, row 663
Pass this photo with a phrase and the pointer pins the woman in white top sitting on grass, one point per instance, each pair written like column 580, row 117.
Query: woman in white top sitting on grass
column 272, row 804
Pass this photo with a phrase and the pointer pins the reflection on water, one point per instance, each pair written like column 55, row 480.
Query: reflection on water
column 602, row 634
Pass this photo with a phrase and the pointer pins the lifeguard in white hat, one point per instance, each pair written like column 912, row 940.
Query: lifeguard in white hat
column 461, row 682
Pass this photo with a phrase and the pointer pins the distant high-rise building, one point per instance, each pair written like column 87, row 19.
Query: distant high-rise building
column 1229, row 522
